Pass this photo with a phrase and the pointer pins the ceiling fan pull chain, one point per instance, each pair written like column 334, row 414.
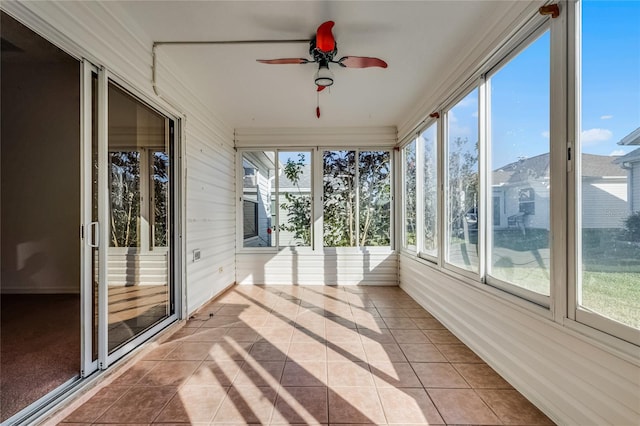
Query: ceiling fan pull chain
column 318, row 104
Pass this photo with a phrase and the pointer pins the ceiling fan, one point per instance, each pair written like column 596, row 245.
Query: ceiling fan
column 323, row 48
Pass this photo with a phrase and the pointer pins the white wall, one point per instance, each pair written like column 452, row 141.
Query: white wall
column 103, row 33
column 604, row 202
column 569, row 377
column 634, row 182
column 323, row 266
column 40, row 177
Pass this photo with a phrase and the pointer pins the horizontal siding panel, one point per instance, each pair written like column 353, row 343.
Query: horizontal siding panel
column 571, row 380
column 317, row 268
column 323, row 137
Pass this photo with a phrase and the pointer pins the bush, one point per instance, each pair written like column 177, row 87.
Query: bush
column 631, row 230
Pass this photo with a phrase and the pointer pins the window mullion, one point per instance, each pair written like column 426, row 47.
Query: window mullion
column 419, row 195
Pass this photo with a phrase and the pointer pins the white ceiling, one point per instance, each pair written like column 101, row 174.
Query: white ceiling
column 420, row 40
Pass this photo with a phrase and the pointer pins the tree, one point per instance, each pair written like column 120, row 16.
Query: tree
column 463, row 181
column 125, row 198
column 298, row 205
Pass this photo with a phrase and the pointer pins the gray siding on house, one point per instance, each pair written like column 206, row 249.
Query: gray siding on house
column 604, row 202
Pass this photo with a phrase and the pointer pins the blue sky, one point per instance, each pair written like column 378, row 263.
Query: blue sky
column 610, row 89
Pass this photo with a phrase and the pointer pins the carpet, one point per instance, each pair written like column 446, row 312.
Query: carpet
column 39, row 347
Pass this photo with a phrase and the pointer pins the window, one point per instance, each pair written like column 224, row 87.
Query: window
column 462, row 183
column 250, row 214
column 527, row 201
column 428, row 142
column 608, row 174
column 258, row 187
column 518, row 139
column 409, row 163
column 294, row 199
column 276, row 188
column 356, row 198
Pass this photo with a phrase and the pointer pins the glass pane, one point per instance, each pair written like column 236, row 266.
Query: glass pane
column 429, row 141
column 258, row 192
column 462, row 178
column 139, row 185
column 374, row 198
column 125, row 198
column 519, row 164
column 409, row 163
column 294, row 198
column 610, row 157
column 339, row 197
column 160, row 198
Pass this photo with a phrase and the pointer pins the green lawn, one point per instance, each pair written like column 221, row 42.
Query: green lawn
column 615, row 295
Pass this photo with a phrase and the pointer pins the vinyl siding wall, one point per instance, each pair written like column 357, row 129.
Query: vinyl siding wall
column 104, row 34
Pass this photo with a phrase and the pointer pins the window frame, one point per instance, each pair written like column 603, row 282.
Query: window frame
column 420, row 219
column 318, row 190
column 612, row 332
column 276, row 192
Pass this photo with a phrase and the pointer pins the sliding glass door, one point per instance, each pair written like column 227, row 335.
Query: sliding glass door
column 129, row 216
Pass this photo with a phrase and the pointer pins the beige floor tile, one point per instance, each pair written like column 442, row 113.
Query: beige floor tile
column 341, row 334
column 134, row 373
column 193, row 404
column 346, row 351
column 459, row 353
column 242, row 334
column 304, row 335
column 272, row 351
column 97, row 405
column 190, row 351
column 307, row 351
column 392, row 312
column 260, row 373
column 301, row 405
column 438, row 375
column 207, row 335
column 140, row 404
column 213, row 373
column 169, row 373
column 222, row 321
column 349, row 374
column 345, row 322
column 275, row 334
column 462, row 406
column 428, row 324
column 159, row 353
column 441, row 337
column 400, row 323
column 396, row 374
column 408, row 406
column 310, row 373
column 513, row 408
column 481, row 376
column 246, row 405
column 382, row 336
column 417, row 313
column 229, row 350
column 383, row 352
column 355, row 405
column 409, row 336
column 422, row 352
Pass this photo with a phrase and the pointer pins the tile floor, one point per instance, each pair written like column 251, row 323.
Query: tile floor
column 310, row 355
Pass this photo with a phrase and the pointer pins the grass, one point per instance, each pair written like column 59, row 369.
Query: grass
column 616, row 295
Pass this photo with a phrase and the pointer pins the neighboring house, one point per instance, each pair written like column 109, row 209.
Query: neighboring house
column 521, row 193
column 631, row 163
column 257, row 187
column 259, row 199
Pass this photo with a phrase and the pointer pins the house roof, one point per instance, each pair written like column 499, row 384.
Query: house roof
column 632, row 138
column 538, row 168
column 305, row 179
column 631, row 157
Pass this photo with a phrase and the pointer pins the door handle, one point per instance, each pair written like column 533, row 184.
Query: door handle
column 94, row 234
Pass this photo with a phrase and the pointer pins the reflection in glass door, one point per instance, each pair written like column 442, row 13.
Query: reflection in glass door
column 139, row 287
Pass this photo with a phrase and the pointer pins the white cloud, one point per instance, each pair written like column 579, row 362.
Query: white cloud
column 475, row 114
column 595, row 135
column 545, row 134
column 617, row 152
column 606, row 117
